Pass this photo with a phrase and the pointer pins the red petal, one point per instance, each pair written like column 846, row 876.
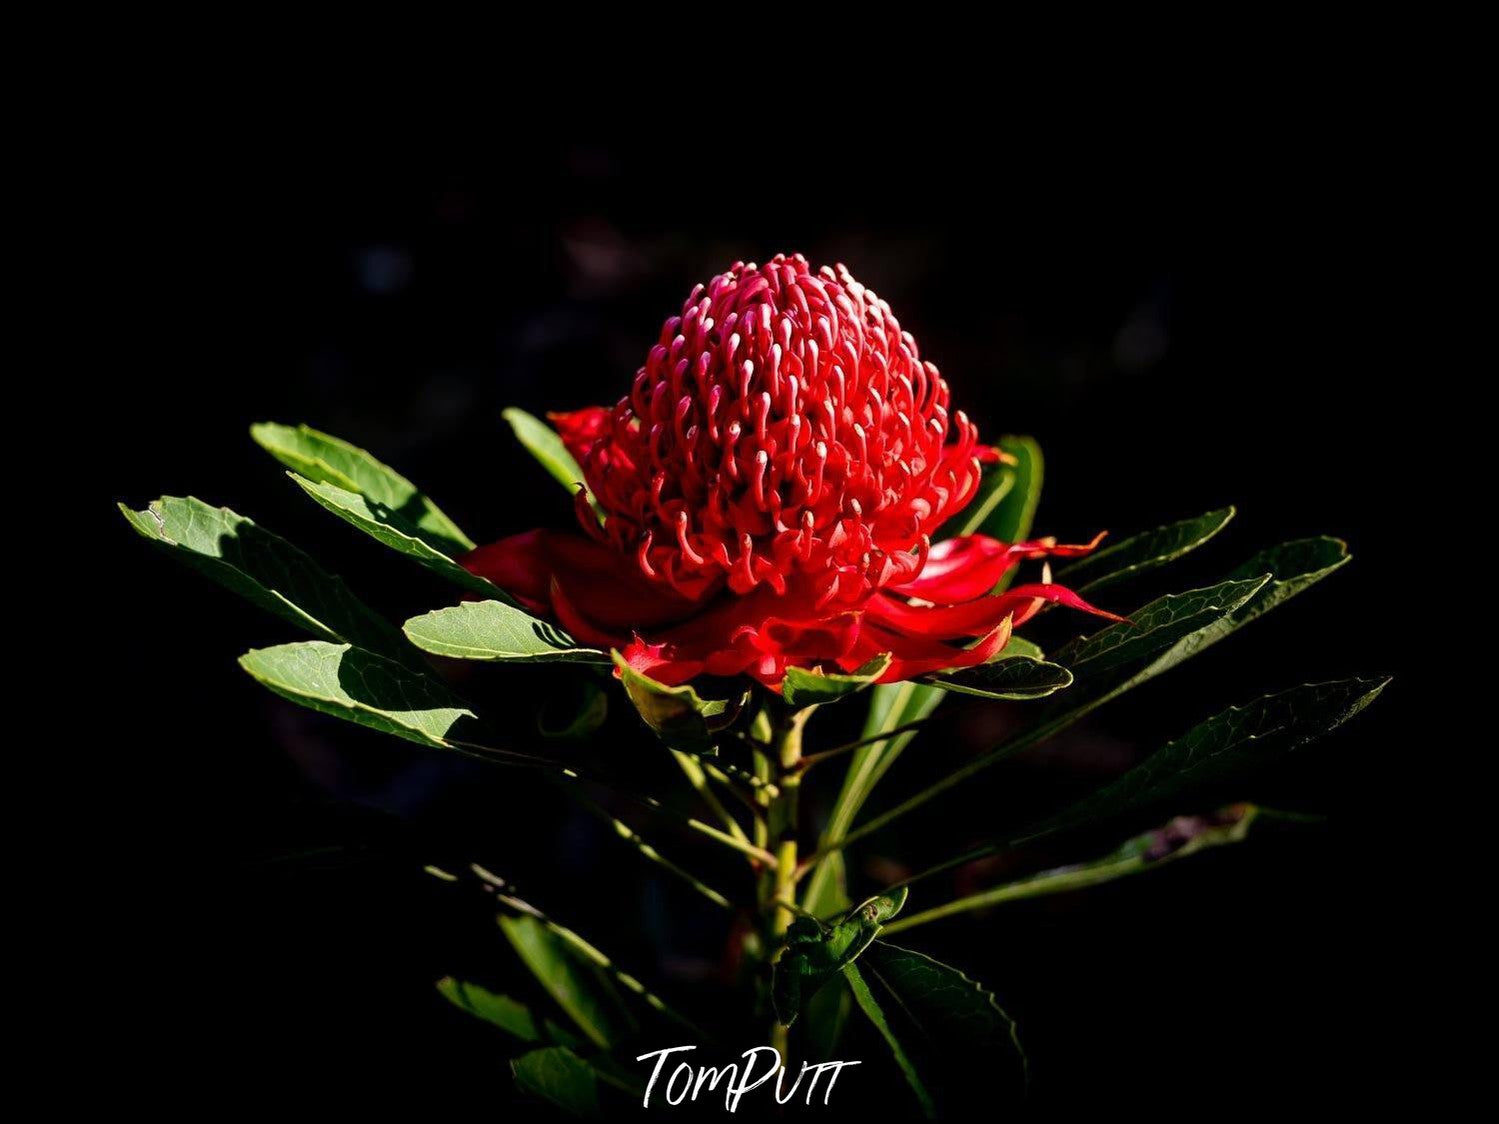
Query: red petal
column 914, row 656
column 945, row 622
column 651, row 660
column 970, row 566
column 1025, row 601
column 580, row 428
column 603, row 589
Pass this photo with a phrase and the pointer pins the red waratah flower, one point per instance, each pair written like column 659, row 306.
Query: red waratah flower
column 766, row 497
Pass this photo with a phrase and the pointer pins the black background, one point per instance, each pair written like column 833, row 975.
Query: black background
column 1182, row 323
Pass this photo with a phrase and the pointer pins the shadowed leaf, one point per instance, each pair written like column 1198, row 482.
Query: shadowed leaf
column 1183, row 836
column 680, row 717
column 386, row 525
column 867, row 1003
column 558, row 1076
column 1018, row 677
column 1143, row 552
column 266, row 570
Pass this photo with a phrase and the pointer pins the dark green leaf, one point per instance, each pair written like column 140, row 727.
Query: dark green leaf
column 1183, row 836
column 998, row 482
column 265, row 570
column 579, row 987
column 864, row 997
column 815, row 951
column 1019, row 646
column 1018, row 677
column 827, row 889
column 493, row 630
column 824, row 1020
column 359, row 686
column 544, row 443
column 803, row 687
column 501, row 1010
column 972, row 1041
column 1154, row 629
column 391, row 528
column 1225, row 747
column 679, row 716
column 891, row 705
column 325, row 459
column 1292, row 566
column 1141, row 553
column 1012, row 518
column 577, row 710
column 558, row 1076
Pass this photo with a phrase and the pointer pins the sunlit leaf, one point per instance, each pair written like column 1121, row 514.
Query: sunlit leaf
column 803, row 687
column 495, row 631
column 388, row 526
column 326, row 459
column 364, row 688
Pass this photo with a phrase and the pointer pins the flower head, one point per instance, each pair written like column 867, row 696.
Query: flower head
column 767, row 493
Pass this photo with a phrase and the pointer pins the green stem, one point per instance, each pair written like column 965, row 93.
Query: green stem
column 629, row 835
column 848, row 747
column 786, row 752
column 693, row 770
column 489, row 753
column 787, row 748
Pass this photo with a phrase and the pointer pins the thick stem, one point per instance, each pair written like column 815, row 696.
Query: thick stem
column 786, row 757
column 787, row 748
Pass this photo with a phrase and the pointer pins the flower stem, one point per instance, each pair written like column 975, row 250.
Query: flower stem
column 787, row 749
column 786, row 753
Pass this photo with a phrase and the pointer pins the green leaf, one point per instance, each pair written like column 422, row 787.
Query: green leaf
column 816, row 952
column 827, row 889
column 501, row 1010
column 864, row 997
column 998, row 482
column 265, row 570
column 395, row 531
column 1142, row 553
column 803, row 687
column 824, row 1020
column 1154, row 629
column 1013, row 516
column 891, row 705
column 558, row 1076
column 328, row 460
column 1225, row 747
column 1019, row 646
column 545, row 444
column 493, row 630
column 579, row 987
column 361, row 687
column 973, row 1042
column 679, row 716
column 1293, row 567
column 1018, row 677
column 1183, row 836
column 576, row 711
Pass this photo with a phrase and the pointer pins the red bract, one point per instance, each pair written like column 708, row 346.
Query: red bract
column 768, row 490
